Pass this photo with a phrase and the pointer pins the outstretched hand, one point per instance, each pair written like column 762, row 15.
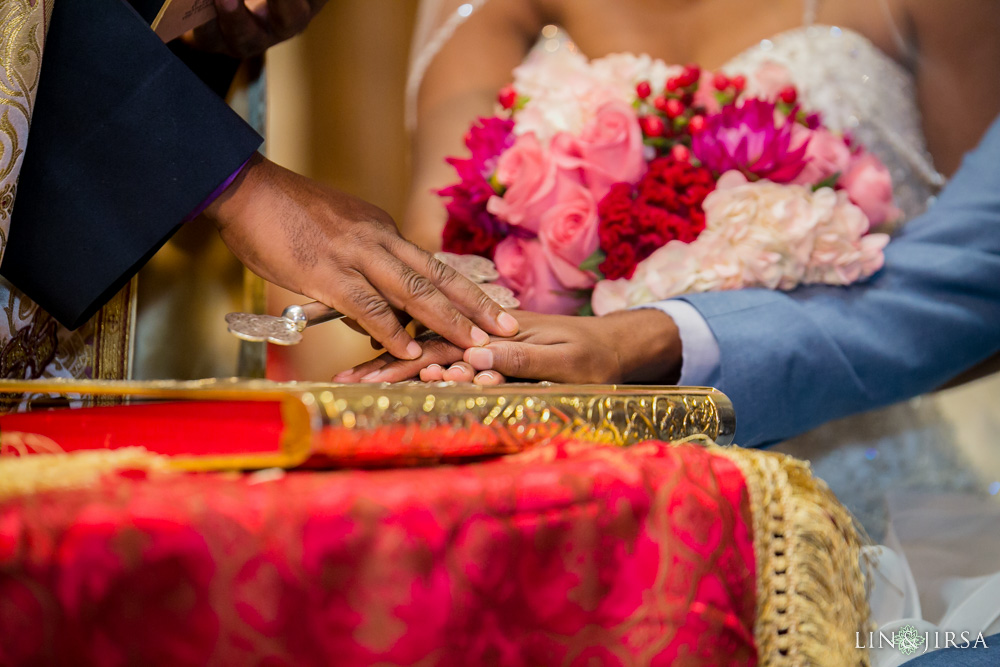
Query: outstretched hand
column 244, row 28
column 347, row 254
column 639, row 346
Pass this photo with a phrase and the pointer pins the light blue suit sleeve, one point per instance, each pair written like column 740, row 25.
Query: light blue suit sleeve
column 793, row 360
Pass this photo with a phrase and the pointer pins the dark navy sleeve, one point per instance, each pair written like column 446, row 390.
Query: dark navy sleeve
column 125, row 141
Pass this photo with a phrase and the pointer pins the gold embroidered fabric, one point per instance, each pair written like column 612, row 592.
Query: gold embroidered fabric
column 32, row 344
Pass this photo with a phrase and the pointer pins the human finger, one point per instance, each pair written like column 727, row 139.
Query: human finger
column 241, row 32
column 406, row 288
column 517, row 359
column 352, row 375
column 489, row 379
column 362, row 302
column 433, row 373
column 459, row 371
column 466, row 296
column 437, row 351
column 288, row 17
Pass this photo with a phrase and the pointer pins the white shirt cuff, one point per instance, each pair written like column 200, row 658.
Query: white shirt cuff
column 699, row 349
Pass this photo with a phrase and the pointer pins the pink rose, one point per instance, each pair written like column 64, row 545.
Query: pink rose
column 826, row 154
column 529, row 174
column 568, row 233
column 525, row 269
column 610, row 148
column 869, row 185
column 769, row 80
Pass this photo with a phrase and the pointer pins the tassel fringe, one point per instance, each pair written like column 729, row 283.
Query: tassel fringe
column 811, row 581
column 47, row 468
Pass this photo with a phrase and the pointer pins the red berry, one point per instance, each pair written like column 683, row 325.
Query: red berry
column 674, row 108
column 643, row 90
column 693, row 72
column 696, row 124
column 652, row 126
column 739, row 82
column 660, row 102
column 788, row 95
column 681, row 153
column 720, row 81
column 507, row 96
column 673, row 84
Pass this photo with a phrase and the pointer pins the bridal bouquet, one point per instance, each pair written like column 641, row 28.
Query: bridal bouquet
column 609, row 183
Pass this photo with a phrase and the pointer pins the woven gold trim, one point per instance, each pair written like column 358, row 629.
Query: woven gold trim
column 811, row 594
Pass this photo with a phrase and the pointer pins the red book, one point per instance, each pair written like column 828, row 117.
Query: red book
column 258, row 424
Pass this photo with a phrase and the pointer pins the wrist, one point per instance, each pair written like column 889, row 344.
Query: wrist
column 648, row 346
column 235, row 196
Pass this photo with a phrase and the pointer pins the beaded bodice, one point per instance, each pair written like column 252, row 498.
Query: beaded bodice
column 860, row 90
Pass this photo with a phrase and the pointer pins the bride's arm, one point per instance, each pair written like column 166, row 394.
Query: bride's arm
column 460, row 84
column 956, row 59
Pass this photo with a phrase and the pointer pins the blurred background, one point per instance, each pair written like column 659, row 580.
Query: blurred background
column 335, row 114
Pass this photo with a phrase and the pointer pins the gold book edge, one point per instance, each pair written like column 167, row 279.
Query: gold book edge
column 337, row 420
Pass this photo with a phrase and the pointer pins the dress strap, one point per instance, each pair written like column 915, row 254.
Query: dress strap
column 897, row 35
column 437, row 21
column 809, row 9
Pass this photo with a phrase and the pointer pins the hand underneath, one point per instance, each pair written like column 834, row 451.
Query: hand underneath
column 347, row 254
column 244, row 28
column 638, row 346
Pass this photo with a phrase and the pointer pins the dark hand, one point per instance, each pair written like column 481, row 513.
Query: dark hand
column 347, row 254
column 639, row 346
column 243, row 31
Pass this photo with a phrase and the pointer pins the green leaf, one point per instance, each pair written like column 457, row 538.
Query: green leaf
column 497, row 186
column 828, row 182
column 723, row 97
column 586, row 310
column 592, row 263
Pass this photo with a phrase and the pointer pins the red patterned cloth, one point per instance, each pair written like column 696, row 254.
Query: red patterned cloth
column 570, row 554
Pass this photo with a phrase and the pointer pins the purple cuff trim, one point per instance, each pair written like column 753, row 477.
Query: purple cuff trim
column 215, row 194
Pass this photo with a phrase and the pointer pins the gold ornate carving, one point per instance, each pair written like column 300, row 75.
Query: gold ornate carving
column 618, row 415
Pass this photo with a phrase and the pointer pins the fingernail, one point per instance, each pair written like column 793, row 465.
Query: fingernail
column 481, row 358
column 488, row 375
column 430, row 366
column 342, row 375
column 507, row 323
column 480, row 337
column 413, row 349
column 371, row 376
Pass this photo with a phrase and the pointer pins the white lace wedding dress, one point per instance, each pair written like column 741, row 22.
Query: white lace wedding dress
column 912, row 447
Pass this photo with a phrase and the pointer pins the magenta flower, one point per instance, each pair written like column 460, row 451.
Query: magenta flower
column 470, row 228
column 748, row 138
